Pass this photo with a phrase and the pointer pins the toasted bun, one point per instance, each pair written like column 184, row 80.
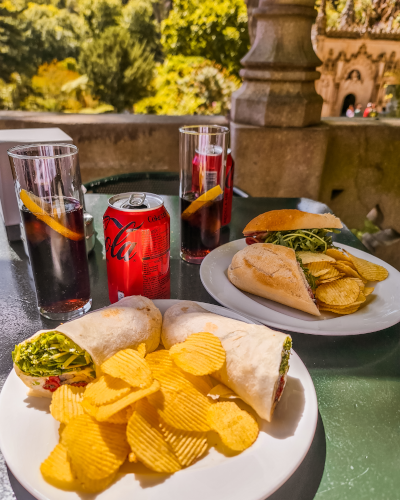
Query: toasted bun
column 272, row 272
column 288, row 220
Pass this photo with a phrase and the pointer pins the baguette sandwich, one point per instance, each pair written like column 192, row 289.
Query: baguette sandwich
column 273, row 272
column 298, row 230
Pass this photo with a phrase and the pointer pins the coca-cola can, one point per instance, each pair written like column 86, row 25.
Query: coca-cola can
column 228, row 190
column 137, row 242
column 207, row 168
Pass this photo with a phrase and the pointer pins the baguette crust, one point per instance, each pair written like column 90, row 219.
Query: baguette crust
column 272, row 272
column 289, row 220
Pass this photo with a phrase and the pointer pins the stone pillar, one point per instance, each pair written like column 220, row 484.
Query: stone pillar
column 279, row 70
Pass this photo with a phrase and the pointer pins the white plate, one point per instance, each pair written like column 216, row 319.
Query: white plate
column 381, row 310
column 28, row 433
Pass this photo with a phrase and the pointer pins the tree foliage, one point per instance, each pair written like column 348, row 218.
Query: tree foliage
column 213, row 29
column 119, row 67
column 189, row 85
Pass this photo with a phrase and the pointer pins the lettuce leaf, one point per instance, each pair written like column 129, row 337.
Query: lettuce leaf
column 311, row 280
column 311, row 240
column 51, row 354
column 287, row 345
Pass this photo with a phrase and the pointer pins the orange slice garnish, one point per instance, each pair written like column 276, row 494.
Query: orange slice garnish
column 202, row 200
column 42, row 215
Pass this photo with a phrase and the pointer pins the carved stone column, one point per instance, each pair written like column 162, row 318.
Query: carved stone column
column 279, row 70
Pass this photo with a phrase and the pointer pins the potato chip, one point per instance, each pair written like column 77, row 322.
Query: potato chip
column 237, row 429
column 130, row 366
column 332, row 273
column 319, row 268
column 329, row 280
column 184, row 409
column 308, row 257
column 340, row 292
column 346, row 269
column 60, row 430
column 94, row 485
column 370, row 271
column 89, row 408
column 66, row 403
column 132, row 457
column 359, row 282
column 350, row 310
column 159, row 361
column 368, row 290
column 147, row 441
column 106, row 390
column 106, row 411
column 96, row 449
column 56, row 469
column 221, row 391
column 203, row 384
column 348, row 263
column 186, row 445
column 142, row 350
column 200, row 354
column 338, row 254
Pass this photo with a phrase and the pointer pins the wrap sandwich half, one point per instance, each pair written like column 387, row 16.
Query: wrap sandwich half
column 71, row 353
column 257, row 358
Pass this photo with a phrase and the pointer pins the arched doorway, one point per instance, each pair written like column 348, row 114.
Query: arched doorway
column 349, row 99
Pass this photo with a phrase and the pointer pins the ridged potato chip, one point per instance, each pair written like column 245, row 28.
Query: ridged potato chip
column 347, row 270
column 96, row 449
column 221, row 391
column 132, row 457
column 142, row 350
column 186, row 445
column 338, row 254
column 106, row 390
column 200, row 354
column 349, row 310
column 308, row 257
column 94, row 485
column 359, row 282
column 89, row 408
column 340, row 292
column 159, row 361
column 184, row 409
column 332, row 273
column 237, row 429
column 106, row 411
column 368, row 290
column 130, row 366
column 370, row 271
column 203, row 384
column 318, row 269
column 147, row 442
column 66, row 403
column 56, row 469
column 329, row 280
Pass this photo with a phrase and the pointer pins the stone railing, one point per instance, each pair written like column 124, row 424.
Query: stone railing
column 349, row 164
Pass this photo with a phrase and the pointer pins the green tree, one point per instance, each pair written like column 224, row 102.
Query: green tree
column 213, row 29
column 100, row 14
column 189, row 85
column 119, row 67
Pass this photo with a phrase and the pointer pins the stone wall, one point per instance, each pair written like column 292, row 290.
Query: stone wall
column 351, row 165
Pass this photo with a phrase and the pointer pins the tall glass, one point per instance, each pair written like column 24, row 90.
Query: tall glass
column 48, row 187
column 202, row 158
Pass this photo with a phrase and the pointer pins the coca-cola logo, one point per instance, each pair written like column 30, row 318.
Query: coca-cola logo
column 120, row 248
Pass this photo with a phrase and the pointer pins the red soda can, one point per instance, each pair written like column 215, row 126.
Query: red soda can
column 137, row 242
column 228, row 190
column 207, row 168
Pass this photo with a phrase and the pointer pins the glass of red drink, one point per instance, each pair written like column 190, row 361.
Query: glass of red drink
column 48, row 187
column 202, row 158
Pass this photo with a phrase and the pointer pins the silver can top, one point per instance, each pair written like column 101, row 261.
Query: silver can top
column 135, row 202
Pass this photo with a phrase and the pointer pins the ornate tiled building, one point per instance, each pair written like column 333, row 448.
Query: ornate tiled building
column 358, row 60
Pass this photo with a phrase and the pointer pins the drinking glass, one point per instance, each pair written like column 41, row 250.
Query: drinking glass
column 202, row 158
column 48, row 187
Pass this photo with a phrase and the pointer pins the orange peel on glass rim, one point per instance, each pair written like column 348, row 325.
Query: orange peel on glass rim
column 202, row 200
column 41, row 214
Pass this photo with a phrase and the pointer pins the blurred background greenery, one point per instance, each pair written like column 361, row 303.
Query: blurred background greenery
column 96, row 56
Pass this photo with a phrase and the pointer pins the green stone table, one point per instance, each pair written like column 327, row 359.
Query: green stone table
column 355, row 454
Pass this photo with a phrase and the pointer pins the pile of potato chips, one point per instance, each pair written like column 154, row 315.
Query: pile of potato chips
column 341, row 279
column 157, row 409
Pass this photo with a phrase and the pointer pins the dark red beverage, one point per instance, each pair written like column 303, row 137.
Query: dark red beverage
column 58, row 257
column 200, row 230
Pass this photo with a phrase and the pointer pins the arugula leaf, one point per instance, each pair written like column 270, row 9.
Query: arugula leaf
column 312, row 240
column 287, row 345
column 51, row 354
column 311, row 280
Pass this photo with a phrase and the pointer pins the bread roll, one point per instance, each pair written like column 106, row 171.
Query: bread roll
column 272, row 272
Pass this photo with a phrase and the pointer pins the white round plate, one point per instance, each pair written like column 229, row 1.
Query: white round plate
column 381, row 310
column 28, row 433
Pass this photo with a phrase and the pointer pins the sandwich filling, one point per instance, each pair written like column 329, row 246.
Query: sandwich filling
column 311, row 240
column 284, row 367
column 53, row 359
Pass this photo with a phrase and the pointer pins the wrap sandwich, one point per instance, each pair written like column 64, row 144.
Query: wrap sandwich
column 257, row 358
column 274, row 272
column 72, row 352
